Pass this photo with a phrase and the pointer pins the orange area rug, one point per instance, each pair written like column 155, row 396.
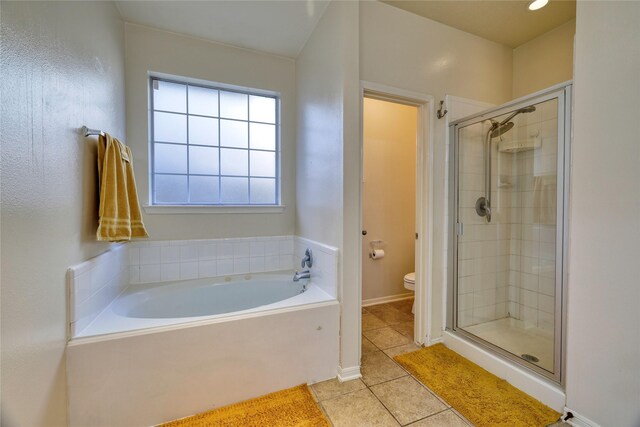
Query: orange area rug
column 481, row 397
column 291, row 407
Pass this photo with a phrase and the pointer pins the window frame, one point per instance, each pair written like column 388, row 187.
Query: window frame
column 204, row 207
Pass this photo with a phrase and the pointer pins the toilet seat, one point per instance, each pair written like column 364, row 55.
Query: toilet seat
column 410, row 281
column 410, row 284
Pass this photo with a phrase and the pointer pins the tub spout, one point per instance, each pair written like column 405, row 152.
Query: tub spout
column 304, row 274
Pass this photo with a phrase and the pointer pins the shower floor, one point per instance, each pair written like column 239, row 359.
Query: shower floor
column 512, row 335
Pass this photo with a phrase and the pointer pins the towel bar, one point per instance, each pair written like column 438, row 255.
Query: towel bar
column 87, row 131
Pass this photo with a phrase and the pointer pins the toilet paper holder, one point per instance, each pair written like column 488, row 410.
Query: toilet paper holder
column 377, row 244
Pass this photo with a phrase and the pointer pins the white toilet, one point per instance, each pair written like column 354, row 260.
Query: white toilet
column 410, row 283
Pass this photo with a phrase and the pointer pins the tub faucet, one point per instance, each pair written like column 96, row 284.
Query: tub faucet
column 304, row 274
column 308, row 259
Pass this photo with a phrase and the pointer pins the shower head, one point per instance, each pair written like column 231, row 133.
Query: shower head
column 501, row 129
column 498, row 129
column 529, row 109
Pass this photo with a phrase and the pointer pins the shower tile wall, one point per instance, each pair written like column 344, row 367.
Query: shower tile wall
column 506, row 268
column 533, row 220
column 483, row 267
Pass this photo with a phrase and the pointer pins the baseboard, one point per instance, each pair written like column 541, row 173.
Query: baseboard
column 384, row 300
column 577, row 420
column 433, row 341
column 348, row 374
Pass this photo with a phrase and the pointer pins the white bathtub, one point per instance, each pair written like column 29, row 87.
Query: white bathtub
column 202, row 300
column 178, row 348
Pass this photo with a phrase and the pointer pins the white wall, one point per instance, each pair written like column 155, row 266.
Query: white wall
column 151, row 50
column 328, row 149
column 603, row 379
column 409, row 52
column 62, row 67
column 544, row 61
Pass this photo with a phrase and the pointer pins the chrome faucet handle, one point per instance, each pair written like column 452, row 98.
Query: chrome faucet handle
column 308, row 259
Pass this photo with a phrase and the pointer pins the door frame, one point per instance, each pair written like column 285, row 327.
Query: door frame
column 424, row 198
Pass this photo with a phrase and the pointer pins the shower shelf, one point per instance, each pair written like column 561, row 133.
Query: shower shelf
column 516, row 146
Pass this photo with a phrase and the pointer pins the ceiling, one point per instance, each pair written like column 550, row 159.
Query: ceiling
column 508, row 22
column 278, row 27
column 282, row 27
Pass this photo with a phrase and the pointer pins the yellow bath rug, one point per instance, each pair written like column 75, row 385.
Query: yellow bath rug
column 483, row 398
column 291, row 407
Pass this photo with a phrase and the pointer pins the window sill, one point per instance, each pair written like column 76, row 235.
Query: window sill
column 227, row 209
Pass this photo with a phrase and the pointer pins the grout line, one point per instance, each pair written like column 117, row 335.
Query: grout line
column 428, row 416
column 440, row 399
column 407, row 373
column 385, row 406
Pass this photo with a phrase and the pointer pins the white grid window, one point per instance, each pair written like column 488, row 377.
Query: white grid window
column 213, row 146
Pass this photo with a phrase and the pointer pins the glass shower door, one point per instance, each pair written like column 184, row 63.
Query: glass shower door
column 508, row 230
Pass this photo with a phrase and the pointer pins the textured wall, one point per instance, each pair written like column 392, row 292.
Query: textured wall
column 151, row 50
column 328, row 149
column 603, row 325
column 62, row 67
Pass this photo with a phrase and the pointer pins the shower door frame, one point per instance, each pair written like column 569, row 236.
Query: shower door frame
column 563, row 93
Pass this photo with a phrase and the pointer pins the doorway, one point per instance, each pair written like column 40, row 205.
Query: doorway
column 394, row 194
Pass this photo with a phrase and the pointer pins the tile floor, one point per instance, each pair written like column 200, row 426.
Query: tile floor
column 386, row 395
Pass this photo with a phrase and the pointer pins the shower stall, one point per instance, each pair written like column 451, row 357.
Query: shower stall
column 508, row 197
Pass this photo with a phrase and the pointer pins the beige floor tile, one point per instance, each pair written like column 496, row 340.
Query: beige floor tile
column 333, row 388
column 360, row 408
column 370, row 321
column 443, row 419
column 407, row 399
column 386, row 337
column 389, row 314
column 377, row 367
column 405, row 328
column 368, row 346
column 395, row 351
column 405, row 305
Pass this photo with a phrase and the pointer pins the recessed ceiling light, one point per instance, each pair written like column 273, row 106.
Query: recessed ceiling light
column 538, row 4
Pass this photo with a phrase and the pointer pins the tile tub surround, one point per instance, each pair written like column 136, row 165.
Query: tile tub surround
column 94, row 284
column 324, row 271
column 169, row 260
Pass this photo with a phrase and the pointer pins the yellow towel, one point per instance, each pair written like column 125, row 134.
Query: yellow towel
column 119, row 211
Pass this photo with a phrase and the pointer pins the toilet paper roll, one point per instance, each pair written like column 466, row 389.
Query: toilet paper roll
column 377, row 253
